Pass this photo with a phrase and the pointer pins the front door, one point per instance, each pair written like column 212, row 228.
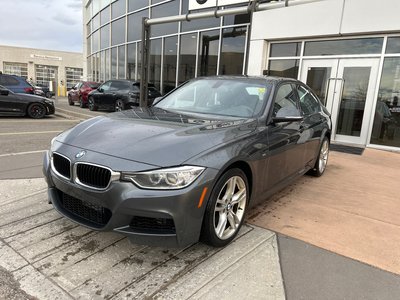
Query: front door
column 346, row 87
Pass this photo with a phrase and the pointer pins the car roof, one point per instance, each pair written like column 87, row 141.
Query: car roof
column 274, row 79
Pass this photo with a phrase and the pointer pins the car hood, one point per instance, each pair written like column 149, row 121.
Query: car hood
column 30, row 97
column 154, row 136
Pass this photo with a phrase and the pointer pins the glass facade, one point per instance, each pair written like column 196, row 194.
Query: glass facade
column 179, row 51
column 285, row 59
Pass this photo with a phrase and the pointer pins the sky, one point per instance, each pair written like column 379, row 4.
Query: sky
column 42, row 24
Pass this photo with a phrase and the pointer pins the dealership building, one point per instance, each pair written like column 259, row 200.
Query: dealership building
column 58, row 69
column 348, row 51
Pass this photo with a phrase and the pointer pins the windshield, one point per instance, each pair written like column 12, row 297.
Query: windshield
column 227, row 97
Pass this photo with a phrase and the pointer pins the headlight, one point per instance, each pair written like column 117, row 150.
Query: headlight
column 162, row 179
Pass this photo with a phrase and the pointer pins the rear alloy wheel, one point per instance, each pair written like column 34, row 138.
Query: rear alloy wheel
column 225, row 210
column 322, row 160
column 70, row 102
column 92, row 106
column 36, row 110
column 81, row 103
column 119, row 105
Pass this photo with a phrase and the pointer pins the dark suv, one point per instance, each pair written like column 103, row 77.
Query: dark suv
column 17, row 84
column 119, row 95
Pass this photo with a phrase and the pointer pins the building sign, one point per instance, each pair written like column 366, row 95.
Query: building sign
column 199, row 4
column 46, row 57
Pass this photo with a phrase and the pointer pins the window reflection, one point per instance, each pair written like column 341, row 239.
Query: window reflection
column 232, row 51
column 187, row 59
column 107, row 65
column 113, row 63
column 208, row 52
column 352, row 104
column 135, row 25
column 105, row 16
column 200, row 23
column 118, row 32
column 386, row 126
column 105, row 36
column 285, row 49
column 121, row 62
column 393, row 45
column 137, row 4
column 131, row 61
column 169, row 68
column 168, row 9
column 284, row 68
column 155, row 63
column 342, row 47
column 118, row 8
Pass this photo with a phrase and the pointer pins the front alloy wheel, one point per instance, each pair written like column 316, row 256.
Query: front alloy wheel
column 119, row 105
column 36, row 110
column 92, row 105
column 225, row 211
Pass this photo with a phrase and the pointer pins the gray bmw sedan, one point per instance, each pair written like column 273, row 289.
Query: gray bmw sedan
column 190, row 166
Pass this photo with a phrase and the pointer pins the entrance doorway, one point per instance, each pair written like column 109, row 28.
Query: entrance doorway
column 346, row 87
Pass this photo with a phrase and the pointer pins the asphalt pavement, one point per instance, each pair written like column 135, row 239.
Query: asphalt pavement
column 334, row 237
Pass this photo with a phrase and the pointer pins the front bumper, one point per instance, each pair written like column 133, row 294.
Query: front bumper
column 169, row 218
column 50, row 109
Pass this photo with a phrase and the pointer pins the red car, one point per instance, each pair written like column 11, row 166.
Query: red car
column 79, row 93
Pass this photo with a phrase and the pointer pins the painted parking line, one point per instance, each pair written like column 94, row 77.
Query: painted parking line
column 29, row 132
column 22, row 153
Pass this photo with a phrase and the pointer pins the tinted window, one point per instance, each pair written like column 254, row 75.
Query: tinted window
column 309, row 105
column 285, row 102
column 340, row 47
column 285, row 49
column 120, row 85
column 106, row 86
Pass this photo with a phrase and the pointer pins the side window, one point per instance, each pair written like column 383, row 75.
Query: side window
column 285, row 104
column 106, row 86
column 308, row 103
column 11, row 81
column 119, row 85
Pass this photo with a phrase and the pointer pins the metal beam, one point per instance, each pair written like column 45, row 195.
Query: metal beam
column 144, row 70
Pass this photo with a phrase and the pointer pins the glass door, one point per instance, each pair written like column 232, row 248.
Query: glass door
column 346, row 87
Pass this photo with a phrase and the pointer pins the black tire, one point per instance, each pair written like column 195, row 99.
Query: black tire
column 217, row 229
column 119, row 105
column 70, row 102
column 81, row 104
column 322, row 159
column 91, row 104
column 36, row 110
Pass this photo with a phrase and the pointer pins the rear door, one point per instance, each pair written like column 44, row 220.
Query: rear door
column 313, row 122
column 286, row 150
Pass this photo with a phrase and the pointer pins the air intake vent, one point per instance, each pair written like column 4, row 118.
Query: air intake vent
column 62, row 165
column 153, row 225
column 93, row 176
column 85, row 212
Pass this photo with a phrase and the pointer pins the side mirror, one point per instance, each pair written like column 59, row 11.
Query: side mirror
column 100, row 89
column 287, row 119
column 4, row 92
column 156, row 100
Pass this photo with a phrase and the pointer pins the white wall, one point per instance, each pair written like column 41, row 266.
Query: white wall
column 326, row 18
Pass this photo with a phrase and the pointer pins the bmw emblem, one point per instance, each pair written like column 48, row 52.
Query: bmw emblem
column 201, row 1
column 80, row 154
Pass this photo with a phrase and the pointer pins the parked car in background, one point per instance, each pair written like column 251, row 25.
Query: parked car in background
column 42, row 90
column 189, row 166
column 117, row 95
column 18, row 104
column 17, row 84
column 79, row 92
